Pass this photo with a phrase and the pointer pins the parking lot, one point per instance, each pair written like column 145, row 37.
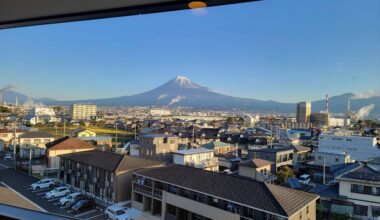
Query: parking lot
column 22, row 184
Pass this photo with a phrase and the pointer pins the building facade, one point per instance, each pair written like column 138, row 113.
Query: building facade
column 181, row 192
column 199, row 158
column 303, row 112
column 82, row 111
column 158, row 146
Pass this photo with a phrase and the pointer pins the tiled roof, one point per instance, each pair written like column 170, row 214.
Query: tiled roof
column 36, row 134
column 363, row 173
column 292, row 201
column 255, row 163
column 236, row 189
column 110, row 161
column 300, row 148
column 193, row 151
column 68, row 143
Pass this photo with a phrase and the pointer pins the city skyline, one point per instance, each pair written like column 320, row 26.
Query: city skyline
column 272, row 55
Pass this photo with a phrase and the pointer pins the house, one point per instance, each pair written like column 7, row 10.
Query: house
column 257, row 169
column 104, row 175
column 279, row 155
column 82, row 132
column 31, row 151
column 359, row 193
column 182, row 192
column 330, row 158
column 101, row 142
column 7, row 136
column 158, row 146
column 301, row 154
column 35, row 138
column 220, row 147
column 64, row 145
column 199, row 158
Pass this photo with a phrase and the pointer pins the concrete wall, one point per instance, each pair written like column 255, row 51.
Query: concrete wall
column 53, row 156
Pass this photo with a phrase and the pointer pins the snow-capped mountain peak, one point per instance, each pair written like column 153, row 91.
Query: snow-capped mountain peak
column 184, row 82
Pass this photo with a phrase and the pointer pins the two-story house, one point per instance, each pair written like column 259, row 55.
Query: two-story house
column 197, row 157
column 34, row 143
column 182, row 192
column 104, row 175
column 64, row 145
column 158, row 146
column 279, row 155
column 257, row 169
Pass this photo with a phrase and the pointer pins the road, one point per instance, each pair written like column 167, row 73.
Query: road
column 21, row 183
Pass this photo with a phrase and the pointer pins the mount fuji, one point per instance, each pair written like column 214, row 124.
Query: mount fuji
column 181, row 91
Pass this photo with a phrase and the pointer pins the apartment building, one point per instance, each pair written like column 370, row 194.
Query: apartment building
column 182, row 192
column 359, row 147
column 257, row 169
column 82, row 111
column 7, row 136
column 64, row 145
column 198, row 157
column 104, row 175
column 221, row 147
column 279, row 155
column 158, row 146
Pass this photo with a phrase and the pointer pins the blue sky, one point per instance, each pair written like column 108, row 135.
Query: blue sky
column 274, row 49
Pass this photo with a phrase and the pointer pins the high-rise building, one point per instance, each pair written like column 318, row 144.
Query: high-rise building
column 82, row 112
column 319, row 119
column 303, row 112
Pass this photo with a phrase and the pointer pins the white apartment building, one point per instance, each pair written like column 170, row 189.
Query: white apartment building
column 82, row 112
column 160, row 111
column 360, row 148
column 199, row 158
column 41, row 115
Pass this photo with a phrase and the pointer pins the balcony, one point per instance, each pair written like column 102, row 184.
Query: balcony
column 138, row 187
column 204, row 164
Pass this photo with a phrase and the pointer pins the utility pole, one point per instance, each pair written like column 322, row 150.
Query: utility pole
column 324, row 170
column 30, row 161
column 116, row 136
column 14, row 143
column 64, row 127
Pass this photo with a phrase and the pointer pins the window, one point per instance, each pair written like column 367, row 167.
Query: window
column 375, row 211
column 37, row 141
column 27, row 141
column 337, row 159
column 307, row 209
column 46, row 141
column 360, row 210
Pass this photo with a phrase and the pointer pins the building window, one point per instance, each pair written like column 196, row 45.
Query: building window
column 27, row 141
column 360, row 210
column 37, row 141
column 171, row 209
column 138, row 198
column 307, row 209
column 46, row 141
column 375, row 211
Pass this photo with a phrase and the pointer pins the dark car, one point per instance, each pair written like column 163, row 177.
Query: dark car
column 83, row 205
column 76, row 200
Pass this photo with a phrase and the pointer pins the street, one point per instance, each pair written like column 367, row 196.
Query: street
column 21, row 183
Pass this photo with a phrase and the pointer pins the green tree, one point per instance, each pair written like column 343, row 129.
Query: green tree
column 283, row 174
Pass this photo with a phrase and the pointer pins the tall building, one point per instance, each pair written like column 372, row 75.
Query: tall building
column 82, row 112
column 319, row 119
column 303, row 112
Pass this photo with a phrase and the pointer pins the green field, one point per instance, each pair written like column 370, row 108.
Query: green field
column 122, row 136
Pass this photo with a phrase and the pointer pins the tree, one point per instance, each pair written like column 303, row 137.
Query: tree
column 4, row 109
column 283, row 174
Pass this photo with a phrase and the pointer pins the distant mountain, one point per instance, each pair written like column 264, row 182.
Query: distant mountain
column 181, row 91
column 10, row 97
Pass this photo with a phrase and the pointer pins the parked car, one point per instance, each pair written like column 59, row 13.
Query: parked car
column 116, row 212
column 305, row 179
column 58, row 192
column 83, row 205
column 75, row 200
column 8, row 156
column 42, row 184
column 68, row 198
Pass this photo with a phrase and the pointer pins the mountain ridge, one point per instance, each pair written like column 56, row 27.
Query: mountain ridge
column 181, row 91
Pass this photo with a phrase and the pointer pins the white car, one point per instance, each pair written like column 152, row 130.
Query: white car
column 68, row 198
column 116, row 212
column 305, row 179
column 58, row 192
column 42, row 184
column 7, row 156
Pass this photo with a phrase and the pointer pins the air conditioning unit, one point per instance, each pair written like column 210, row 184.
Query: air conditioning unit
column 78, row 174
column 85, row 176
column 94, row 180
column 69, row 171
column 107, row 184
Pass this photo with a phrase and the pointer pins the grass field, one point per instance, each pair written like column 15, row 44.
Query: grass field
column 122, row 136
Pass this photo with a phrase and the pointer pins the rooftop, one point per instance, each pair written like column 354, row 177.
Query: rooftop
column 216, row 144
column 193, row 151
column 110, row 161
column 97, row 138
column 363, row 173
column 158, row 135
column 36, row 134
column 255, row 163
column 271, row 198
column 68, row 143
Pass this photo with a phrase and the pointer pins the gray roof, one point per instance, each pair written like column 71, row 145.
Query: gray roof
column 363, row 173
column 245, row 191
column 36, row 134
column 110, row 161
